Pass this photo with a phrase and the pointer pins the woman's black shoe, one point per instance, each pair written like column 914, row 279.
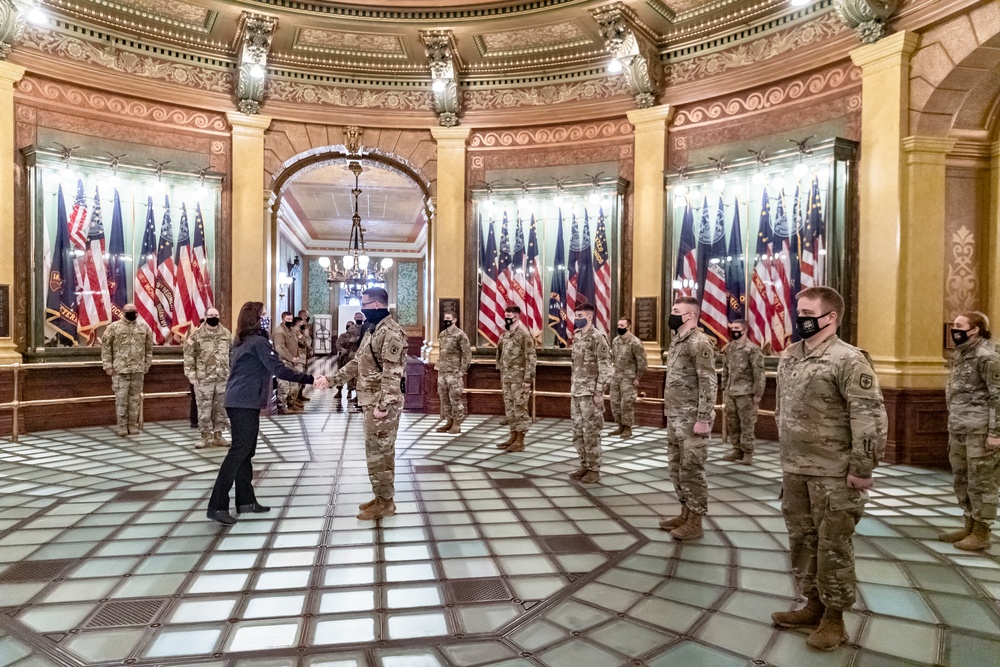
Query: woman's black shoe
column 253, row 508
column 222, row 516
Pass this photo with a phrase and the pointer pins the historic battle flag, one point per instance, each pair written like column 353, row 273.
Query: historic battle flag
column 735, row 279
column 504, row 297
column 714, row 311
column 487, row 321
column 586, row 290
column 199, row 261
column 165, row 274
column 573, row 269
column 145, row 278
column 557, row 293
column 117, row 269
column 93, row 305
column 759, row 302
column 188, row 306
column 812, row 243
column 781, row 285
column 602, row 276
column 686, row 272
column 518, row 293
column 60, row 301
column 533, row 281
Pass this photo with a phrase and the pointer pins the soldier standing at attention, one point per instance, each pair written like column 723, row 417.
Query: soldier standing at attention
column 304, row 332
column 286, row 344
column 206, row 365
column 378, row 367
column 743, row 382
column 347, row 346
column 832, row 430
column 516, row 362
column 590, row 377
column 127, row 353
column 629, row 360
column 973, row 395
column 689, row 404
column 453, row 362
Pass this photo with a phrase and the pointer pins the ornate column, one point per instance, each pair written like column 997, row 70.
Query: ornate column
column 252, row 252
column 993, row 250
column 447, row 279
column 648, row 196
column 10, row 74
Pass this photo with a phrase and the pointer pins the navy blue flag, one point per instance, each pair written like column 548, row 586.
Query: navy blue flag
column 686, row 271
column 735, row 278
column 705, row 238
column 60, row 301
column 557, row 293
column 585, row 286
column 117, row 271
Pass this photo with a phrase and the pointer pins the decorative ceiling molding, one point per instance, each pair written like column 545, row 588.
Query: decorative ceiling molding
column 341, row 43
column 537, row 39
column 629, row 43
column 439, row 46
column 582, row 132
column 175, row 13
column 868, row 17
column 661, row 8
column 363, row 13
column 354, row 97
column 12, row 24
column 253, row 45
column 562, row 93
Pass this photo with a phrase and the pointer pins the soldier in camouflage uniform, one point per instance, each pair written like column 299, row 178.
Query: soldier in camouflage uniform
column 689, row 404
column 453, row 361
column 347, row 347
column 629, row 360
column 379, row 366
column 743, row 383
column 832, row 430
column 301, row 328
column 516, row 362
column 127, row 353
column 206, row 365
column 590, row 377
column 973, row 395
column 286, row 344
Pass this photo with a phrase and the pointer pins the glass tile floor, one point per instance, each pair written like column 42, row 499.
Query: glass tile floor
column 493, row 558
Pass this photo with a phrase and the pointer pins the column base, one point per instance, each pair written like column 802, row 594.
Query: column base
column 654, row 353
column 9, row 353
column 430, row 351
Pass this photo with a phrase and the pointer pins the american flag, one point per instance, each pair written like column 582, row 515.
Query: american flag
column 145, row 278
column 813, row 253
column 95, row 298
column 199, row 262
column 759, row 303
column 557, row 295
column 504, row 288
column 533, row 281
column 781, row 286
column 518, row 276
column 188, row 306
column 488, row 325
column 165, row 274
column 602, row 275
column 574, row 267
column 78, row 236
column 686, row 274
column 714, row 311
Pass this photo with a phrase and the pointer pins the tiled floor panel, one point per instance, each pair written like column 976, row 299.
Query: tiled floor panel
column 492, row 559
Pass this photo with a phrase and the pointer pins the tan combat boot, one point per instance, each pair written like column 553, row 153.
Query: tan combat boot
column 831, row 632
column 379, row 510
column 591, row 477
column 960, row 534
column 578, row 473
column 204, row 442
column 122, row 430
column 691, row 530
column 504, row 421
column 219, row 441
column 626, row 433
column 456, row 427
column 747, row 459
column 518, row 445
column 510, row 441
column 977, row 540
column 446, row 427
column 677, row 521
column 618, row 431
column 806, row 617
column 734, row 455
column 364, row 506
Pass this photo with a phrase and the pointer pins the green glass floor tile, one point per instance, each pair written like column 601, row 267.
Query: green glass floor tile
column 969, row 651
column 55, row 618
column 895, row 601
column 694, row 655
column 578, row 652
column 184, row 642
column 666, row 614
column 576, row 616
column 736, row 634
column 881, row 572
column 695, row 594
column 775, row 561
column 629, row 638
column 903, row 639
column 476, row 619
column 408, row 626
column 608, row 597
column 775, row 583
column 106, row 645
column 412, row 658
column 650, row 564
column 709, row 574
column 939, row 578
column 965, row 613
column 789, row 650
column 536, row 588
column 470, row 655
column 752, row 606
column 630, row 579
column 538, row 633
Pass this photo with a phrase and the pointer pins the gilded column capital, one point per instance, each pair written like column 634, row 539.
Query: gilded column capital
column 248, row 125
column 651, row 117
column 885, row 53
column 451, row 135
column 10, row 73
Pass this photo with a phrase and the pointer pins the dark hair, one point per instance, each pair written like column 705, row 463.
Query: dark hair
column 302, row 311
column 449, row 312
column 584, row 308
column 627, row 319
column 296, row 320
column 689, row 300
column 828, row 297
column 285, row 314
column 377, row 294
column 977, row 319
column 741, row 322
column 512, row 309
column 248, row 321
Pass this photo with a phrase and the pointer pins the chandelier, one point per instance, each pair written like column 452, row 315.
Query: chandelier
column 355, row 271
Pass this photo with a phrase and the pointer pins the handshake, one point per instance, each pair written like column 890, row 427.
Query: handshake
column 320, row 382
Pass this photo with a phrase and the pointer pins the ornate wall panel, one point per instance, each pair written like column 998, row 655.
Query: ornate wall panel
column 407, row 293
column 536, row 39
column 966, row 229
column 319, row 291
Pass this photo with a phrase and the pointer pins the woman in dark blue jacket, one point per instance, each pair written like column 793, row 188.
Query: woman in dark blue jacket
column 253, row 362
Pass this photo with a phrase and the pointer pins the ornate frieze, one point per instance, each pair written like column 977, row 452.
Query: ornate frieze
column 563, row 134
column 175, row 13
column 561, row 93
column 537, row 39
column 867, row 17
column 342, row 43
column 347, row 96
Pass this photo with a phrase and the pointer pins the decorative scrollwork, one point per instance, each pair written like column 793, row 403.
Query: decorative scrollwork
column 867, row 17
column 11, row 27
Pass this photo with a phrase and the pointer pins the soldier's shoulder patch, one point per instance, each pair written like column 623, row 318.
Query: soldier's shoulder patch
column 393, row 348
column 705, row 353
column 867, row 381
column 996, row 376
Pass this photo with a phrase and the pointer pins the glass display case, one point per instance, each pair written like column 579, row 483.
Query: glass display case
column 745, row 237
column 106, row 233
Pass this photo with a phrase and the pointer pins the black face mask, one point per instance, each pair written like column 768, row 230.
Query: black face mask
column 308, row 319
column 675, row 322
column 809, row 326
column 508, row 322
column 302, row 327
column 212, row 321
column 287, row 324
column 736, row 334
column 960, row 336
column 131, row 315
column 445, row 324
column 622, row 332
column 375, row 315
column 359, row 323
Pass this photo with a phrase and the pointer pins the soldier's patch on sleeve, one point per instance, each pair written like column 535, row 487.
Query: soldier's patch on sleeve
column 867, row 381
column 705, row 354
column 996, row 376
column 394, row 349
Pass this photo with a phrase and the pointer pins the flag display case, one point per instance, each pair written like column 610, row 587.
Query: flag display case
column 744, row 237
column 105, row 233
column 546, row 249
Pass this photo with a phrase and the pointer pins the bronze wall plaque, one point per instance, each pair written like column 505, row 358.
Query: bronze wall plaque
column 645, row 318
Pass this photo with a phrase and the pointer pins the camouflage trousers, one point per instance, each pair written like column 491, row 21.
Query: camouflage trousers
column 820, row 514
column 623, row 396
column 588, row 419
column 380, row 450
column 211, row 398
column 287, row 391
column 686, row 455
column 127, row 387
column 515, row 405
column 451, row 392
column 741, row 422
column 976, row 473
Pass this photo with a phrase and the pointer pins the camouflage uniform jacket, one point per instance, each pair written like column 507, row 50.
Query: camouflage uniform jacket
column 206, row 354
column 456, row 354
column 516, row 356
column 691, row 380
column 385, row 347
column 628, row 356
column 829, row 409
column 973, row 390
column 305, row 342
column 127, row 347
column 743, row 369
column 286, row 343
column 591, row 364
column 347, row 347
